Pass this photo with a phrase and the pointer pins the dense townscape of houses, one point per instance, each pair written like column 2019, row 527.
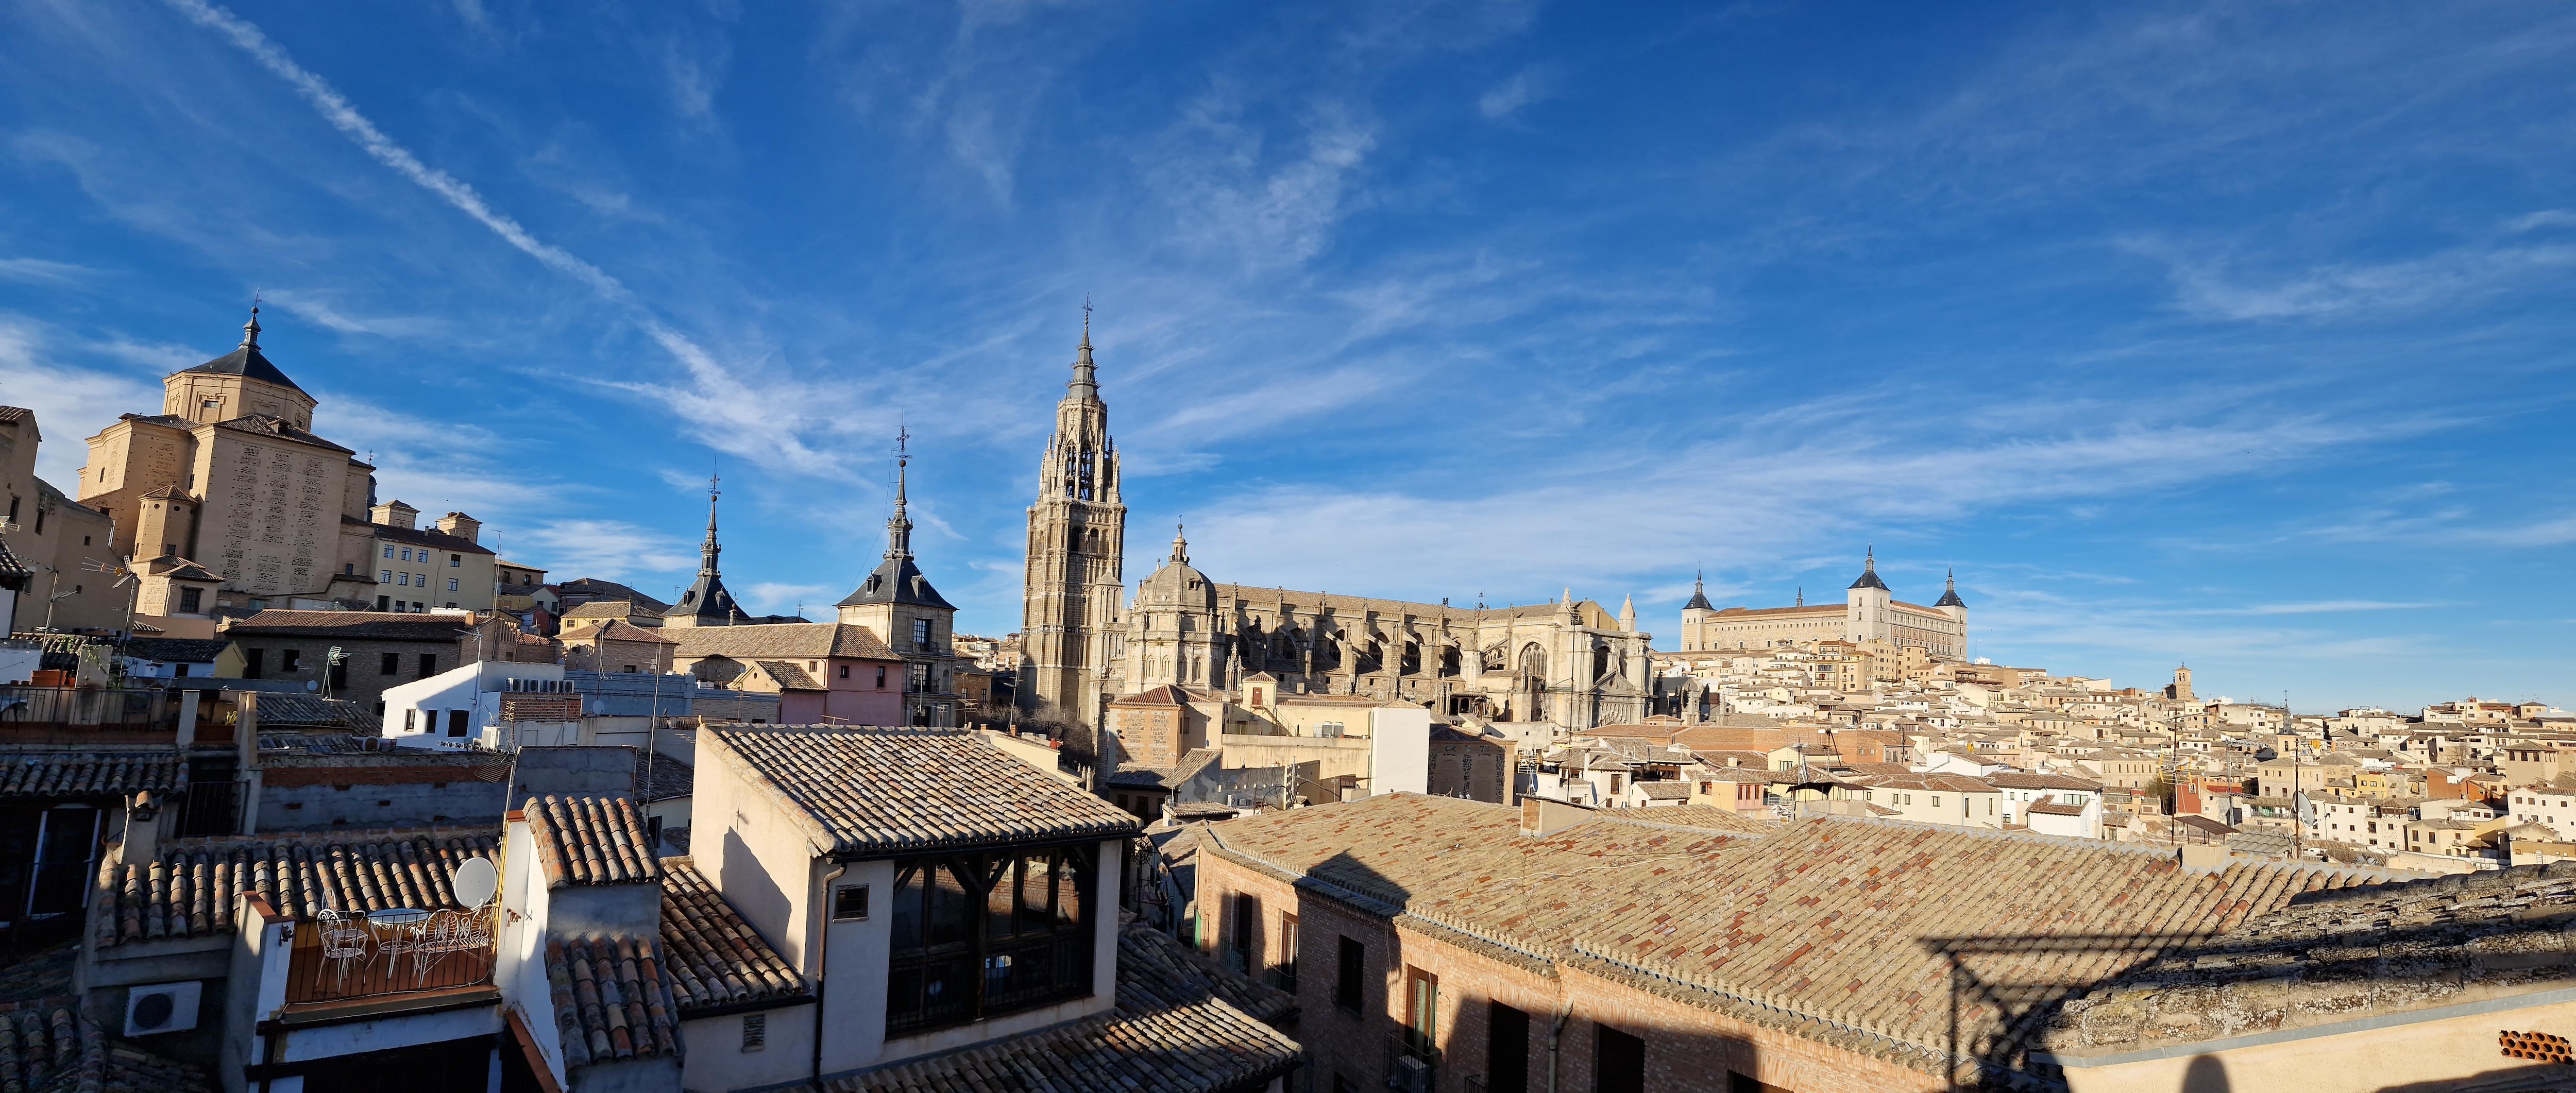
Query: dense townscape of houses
column 297, row 795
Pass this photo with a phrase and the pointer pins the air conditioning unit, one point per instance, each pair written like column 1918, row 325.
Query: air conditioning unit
column 1411, row 1075
column 161, row 1007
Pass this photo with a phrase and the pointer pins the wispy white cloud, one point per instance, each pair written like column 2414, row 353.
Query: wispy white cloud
column 2211, row 288
column 1535, row 83
column 779, row 598
column 723, row 406
column 70, row 401
column 1234, row 195
column 611, row 549
column 39, row 271
column 318, row 308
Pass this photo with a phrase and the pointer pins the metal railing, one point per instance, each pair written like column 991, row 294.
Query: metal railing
column 337, row 957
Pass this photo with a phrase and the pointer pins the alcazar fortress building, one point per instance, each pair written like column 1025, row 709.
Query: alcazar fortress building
column 1869, row 612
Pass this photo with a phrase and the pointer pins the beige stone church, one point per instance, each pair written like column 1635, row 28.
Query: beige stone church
column 228, row 498
column 1086, row 642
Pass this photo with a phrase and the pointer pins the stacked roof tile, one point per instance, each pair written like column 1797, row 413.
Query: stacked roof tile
column 789, row 639
column 1173, row 1030
column 81, row 773
column 191, row 889
column 886, row 791
column 716, row 958
column 611, row 1002
column 2340, row 956
column 590, row 840
column 377, row 625
column 47, row 1045
column 1840, row 930
column 1152, row 963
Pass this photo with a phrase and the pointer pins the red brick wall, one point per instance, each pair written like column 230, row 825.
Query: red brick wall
column 1687, row 1047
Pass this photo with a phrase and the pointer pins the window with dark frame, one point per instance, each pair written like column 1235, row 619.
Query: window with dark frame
column 1346, row 985
column 755, row 1031
column 1287, row 970
column 1243, row 933
column 1421, row 1009
column 253, row 663
column 979, row 935
column 389, row 664
column 850, row 903
column 290, row 660
column 1618, row 1061
column 1506, row 1049
column 428, row 665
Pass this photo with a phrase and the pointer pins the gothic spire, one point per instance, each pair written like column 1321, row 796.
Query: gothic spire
column 708, row 550
column 899, row 526
column 1085, row 385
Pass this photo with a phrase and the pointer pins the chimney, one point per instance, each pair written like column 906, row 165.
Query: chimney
column 460, row 525
column 394, row 514
column 1541, row 817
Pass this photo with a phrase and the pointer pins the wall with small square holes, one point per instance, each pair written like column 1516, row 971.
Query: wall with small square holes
column 2344, row 1057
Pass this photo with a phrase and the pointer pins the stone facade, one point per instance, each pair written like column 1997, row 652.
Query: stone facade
column 1074, row 573
column 231, row 476
column 1869, row 613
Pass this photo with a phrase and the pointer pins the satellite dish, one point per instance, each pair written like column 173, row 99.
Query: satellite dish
column 475, row 882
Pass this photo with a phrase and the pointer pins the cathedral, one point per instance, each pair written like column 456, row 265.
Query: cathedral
column 1868, row 612
column 1085, row 642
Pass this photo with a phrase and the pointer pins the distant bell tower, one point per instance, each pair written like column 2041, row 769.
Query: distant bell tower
column 1695, row 615
column 1077, row 538
column 2180, row 690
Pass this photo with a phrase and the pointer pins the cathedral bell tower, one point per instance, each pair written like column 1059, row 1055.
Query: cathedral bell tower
column 1077, row 536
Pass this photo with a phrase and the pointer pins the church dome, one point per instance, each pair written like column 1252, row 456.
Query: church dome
column 1177, row 584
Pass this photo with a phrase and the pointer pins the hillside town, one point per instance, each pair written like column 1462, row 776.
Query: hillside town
column 299, row 793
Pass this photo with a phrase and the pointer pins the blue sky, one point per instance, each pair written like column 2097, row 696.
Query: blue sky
column 2231, row 333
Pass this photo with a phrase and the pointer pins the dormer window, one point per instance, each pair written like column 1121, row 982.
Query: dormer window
column 980, row 935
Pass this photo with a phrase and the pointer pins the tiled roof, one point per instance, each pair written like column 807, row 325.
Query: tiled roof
column 1173, row 1030
column 791, row 677
column 2052, row 808
column 716, row 958
column 191, row 889
column 1706, row 817
column 1664, row 791
column 605, row 609
column 176, row 650
column 428, row 537
column 1938, row 783
column 1165, row 695
column 615, row 629
column 1156, row 963
column 611, row 1001
column 2017, row 780
column 271, row 425
column 79, row 773
column 2339, row 956
column 662, row 778
column 1831, row 928
column 590, row 840
column 46, row 1045
column 885, row 791
column 790, row 639
column 379, row 625
column 302, row 711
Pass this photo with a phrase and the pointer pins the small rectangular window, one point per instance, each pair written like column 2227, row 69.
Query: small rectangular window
column 1346, row 986
column 428, row 665
column 389, row 551
column 845, row 671
column 190, row 599
column 406, row 554
column 388, row 664
column 451, row 584
column 455, row 560
column 409, row 723
column 755, row 1031
column 850, row 903
column 881, row 677
column 1618, row 1061
column 290, row 660
column 456, row 721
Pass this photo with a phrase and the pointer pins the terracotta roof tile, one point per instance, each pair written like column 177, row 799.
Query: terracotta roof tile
column 716, row 958
column 46, row 1045
column 611, row 1001
column 590, row 840
column 1174, row 1029
column 193, row 887
column 1831, row 928
column 786, row 639
column 69, row 774
column 887, row 791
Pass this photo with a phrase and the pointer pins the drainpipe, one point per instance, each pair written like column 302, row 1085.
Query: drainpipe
column 1554, row 1034
column 822, row 950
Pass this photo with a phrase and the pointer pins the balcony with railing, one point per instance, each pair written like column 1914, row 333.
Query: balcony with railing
column 98, row 715
column 346, row 957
